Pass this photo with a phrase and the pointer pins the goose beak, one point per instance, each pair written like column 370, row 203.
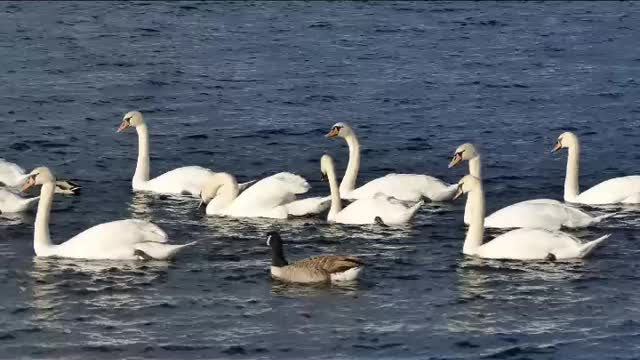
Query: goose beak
column 458, row 193
column 123, row 126
column 333, row 133
column 557, row 147
column 31, row 180
column 323, row 177
column 457, row 158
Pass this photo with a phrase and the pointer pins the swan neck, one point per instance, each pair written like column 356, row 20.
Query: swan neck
column 475, row 234
column 142, row 167
column 348, row 183
column 336, row 203
column 41, row 236
column 475, row 167
column 572, row 178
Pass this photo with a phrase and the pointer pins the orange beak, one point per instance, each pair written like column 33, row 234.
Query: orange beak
column 123, row 126
column 334, row 132
column 557, row 147
column 457, row 158
column 30, row 182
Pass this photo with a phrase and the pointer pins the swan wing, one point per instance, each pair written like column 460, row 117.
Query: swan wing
column 11, row 174
column 612, row 191
column 406, row 187
column 364, row 211
column 270, row 192
column 112, row 240
column 531, row 244
column 188, row 180
column 543, row 215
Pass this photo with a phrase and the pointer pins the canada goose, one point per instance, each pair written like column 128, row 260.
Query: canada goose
column 317, row 269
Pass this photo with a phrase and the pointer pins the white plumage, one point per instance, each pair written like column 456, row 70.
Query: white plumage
column 380, row 207
column 271, row 197
column 520, row 244
column 117, row 240
column 13, row 203
column 406, row 187
column 613, row 191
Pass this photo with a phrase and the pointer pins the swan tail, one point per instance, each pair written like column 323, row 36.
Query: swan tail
column 67, row 187
column 587, row 248
column 598, row 219
column 413, row 209
column 295, row 184
column 31, row 203
column 158, row 251
column 242, row 187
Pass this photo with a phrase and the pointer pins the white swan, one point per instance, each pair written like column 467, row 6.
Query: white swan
column 613, row 191
column 536, row 213
column 271, row 197
column 520, row 244
column 117, row 240
column 14, row 176
column 13, row 203
column 188, row 180
column 406, row 187
column 378, row 209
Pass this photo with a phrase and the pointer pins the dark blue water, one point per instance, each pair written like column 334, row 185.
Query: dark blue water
column 250, row 88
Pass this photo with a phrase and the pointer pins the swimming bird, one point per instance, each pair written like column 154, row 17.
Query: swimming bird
column 535, row 213
column 317, row 269
column 188, row 180
column 405, row 187
column 519, row 244
column 118, row 240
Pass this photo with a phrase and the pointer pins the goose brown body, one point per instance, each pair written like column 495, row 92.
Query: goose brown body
column 317, row 269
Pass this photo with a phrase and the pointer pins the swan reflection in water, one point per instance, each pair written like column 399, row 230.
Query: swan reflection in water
column 59, row 285
column 494, row 295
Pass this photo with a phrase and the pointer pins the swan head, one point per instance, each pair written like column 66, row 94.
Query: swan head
column 39, row 176
column 132, row 118
column 208, row 192
column 467, row 184
column 565, row 140
column 220, row 185
column 340, row 129
column 464, row 152
column 326, row 163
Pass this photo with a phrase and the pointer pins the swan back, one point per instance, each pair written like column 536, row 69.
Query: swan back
column 536, row 244
column 265, row 197
column 112, row 240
